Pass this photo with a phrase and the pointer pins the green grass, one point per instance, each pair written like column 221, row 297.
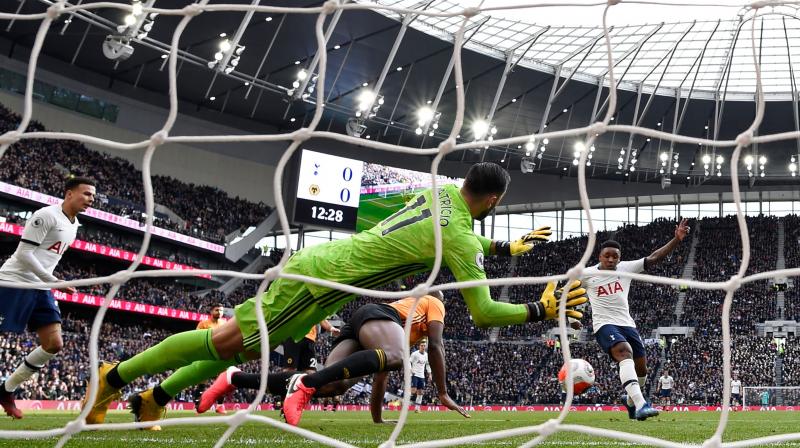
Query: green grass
column 374, row 208
column 357, row 429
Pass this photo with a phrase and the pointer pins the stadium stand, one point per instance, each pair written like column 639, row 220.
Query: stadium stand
column 48, row 162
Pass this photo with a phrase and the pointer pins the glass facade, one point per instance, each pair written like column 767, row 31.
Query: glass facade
column 61, row 97
column 572, row 223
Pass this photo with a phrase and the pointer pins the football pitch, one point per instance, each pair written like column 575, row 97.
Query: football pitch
column 374, row 208
column 357, row 429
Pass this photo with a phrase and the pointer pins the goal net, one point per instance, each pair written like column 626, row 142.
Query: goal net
column 465, row 17
column 770, row 396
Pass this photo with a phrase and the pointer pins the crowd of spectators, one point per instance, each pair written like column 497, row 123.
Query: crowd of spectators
column 41, row 165
column 91, row 232
column 651, row 305
column 717, row 259
column 172, row 293
column 478, row 372
column 375, row 174
column 696, row 365
column 791, row 251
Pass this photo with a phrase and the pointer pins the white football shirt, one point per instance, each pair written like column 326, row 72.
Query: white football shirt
column 51, row 232
column 666, row 382
column 608, row 294
column 736, row 386
column 419, row 361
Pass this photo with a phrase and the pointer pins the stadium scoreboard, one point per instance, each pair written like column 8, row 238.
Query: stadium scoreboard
column 328, row 190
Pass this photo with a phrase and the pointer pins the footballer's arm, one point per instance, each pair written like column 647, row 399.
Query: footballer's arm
column 517, row 247
column 438, row 368
column 379, row 381
column 681, row 230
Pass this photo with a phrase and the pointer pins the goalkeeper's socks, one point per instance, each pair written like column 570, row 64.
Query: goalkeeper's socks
column 113, row 379
column 630, row 382
column 160, row 396
column 32, row 363
column 173, row 352
column 358, row 364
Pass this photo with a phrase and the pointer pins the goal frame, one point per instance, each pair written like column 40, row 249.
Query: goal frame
column 744, row 392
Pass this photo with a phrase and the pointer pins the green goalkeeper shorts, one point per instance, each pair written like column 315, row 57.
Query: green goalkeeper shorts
column 289, row 312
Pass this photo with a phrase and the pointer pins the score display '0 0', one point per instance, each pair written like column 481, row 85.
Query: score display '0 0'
column 328, row 191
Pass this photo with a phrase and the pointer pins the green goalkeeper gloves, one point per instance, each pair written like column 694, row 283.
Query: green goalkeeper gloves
column 547, row 306
column 526, row 243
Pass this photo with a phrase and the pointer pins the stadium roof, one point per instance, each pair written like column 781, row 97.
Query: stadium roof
column 517, row 99
column 664, row 47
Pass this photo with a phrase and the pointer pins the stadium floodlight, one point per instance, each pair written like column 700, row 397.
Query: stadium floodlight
column 664, row 157
column 762, row 160
column 529, row 147
column 229, row 47
column 135, row 25
column 427, row 119
column 228, row 56
column 302, row 75
column 368, row 103
column 479, row 129
column 793, row 168
column 748, row 160
column 579, row 148
column 364, row 100
column 425, row 115
column 720, row 160
column 706, row 159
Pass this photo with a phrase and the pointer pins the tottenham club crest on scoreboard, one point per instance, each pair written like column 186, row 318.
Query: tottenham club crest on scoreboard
column 328, row 189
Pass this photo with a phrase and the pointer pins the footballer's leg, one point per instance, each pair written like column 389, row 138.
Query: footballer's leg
column 277, row 383
column 382, row 350
column 176, row 351
column 41, row 314
column 622, row 353
column 640, row 364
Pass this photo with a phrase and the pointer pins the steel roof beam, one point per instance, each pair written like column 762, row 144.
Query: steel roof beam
column 575, row 70
column 68, row 21
column 474, row 28
column 638, row 118
column 312, row 67
column 699, row 63
column 589, row 45
column 635, row 51
column 407, row 19
column 795, row 112
column 266, row 54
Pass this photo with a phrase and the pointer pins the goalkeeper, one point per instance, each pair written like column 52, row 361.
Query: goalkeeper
column 399, row 246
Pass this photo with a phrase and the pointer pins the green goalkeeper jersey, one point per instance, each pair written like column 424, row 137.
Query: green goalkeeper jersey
column 403, row 244
column 400, row 246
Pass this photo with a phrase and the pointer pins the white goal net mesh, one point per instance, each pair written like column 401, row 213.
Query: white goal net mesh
column 538, row 433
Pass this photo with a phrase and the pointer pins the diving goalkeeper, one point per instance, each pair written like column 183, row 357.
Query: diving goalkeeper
column 399, row 246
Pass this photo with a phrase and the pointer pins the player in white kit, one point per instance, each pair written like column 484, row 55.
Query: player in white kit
column 419, row 369
column 665, row 384
column 736, row 390
column 614, row 329
column 47, row 235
